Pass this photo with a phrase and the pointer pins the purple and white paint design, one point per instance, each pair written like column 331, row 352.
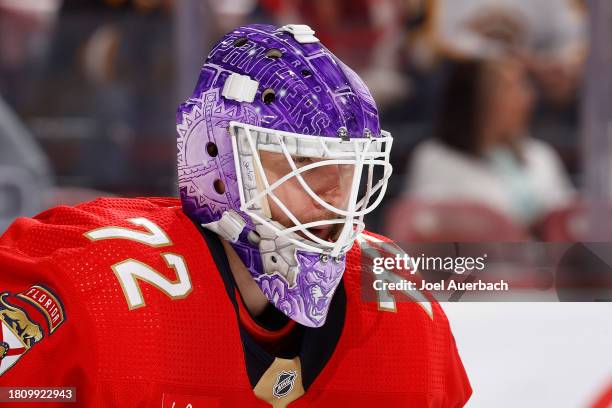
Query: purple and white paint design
column 315, row 94
column 312, row 291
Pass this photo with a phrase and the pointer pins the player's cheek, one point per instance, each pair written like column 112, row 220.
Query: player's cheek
column 294, row 197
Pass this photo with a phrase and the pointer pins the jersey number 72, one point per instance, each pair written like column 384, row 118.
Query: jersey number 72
column 129, row 271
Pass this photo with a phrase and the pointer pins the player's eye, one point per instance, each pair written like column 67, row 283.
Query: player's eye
column 301, row 159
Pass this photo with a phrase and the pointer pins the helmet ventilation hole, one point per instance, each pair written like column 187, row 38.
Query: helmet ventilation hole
column 211, row 149
column 306, row 73
column 240, row 42
column 268, row 96
column 273, row 259
column 274, row 53
column 219, row 186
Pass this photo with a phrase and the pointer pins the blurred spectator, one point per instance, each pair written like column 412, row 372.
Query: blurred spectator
column 480, row 151
column 104, row 110
column 366, row 34
column 549, row 29
column 550, row 36
column 25, row 28
column 25, row 176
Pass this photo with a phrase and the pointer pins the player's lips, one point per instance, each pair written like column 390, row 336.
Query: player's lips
column 322, row 232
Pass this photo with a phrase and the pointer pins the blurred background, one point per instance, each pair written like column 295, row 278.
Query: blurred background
column 486, row 100
column 500, row 110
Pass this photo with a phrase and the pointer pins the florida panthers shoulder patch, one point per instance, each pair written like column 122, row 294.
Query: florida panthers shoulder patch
column 25, row 319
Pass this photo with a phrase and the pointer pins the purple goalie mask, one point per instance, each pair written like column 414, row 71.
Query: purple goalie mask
column 279, row 91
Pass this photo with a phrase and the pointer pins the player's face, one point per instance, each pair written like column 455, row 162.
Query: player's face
column 330, row 182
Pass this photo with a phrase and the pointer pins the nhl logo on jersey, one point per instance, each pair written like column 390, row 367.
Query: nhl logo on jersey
column 19, row 332
column 284, row 383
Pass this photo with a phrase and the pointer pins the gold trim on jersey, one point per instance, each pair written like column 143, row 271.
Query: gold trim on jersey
column 153, row 270
column 116, row 232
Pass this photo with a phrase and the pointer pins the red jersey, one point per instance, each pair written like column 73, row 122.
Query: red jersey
column 125, row 300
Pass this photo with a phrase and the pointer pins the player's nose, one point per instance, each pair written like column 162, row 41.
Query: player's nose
column 327, row 183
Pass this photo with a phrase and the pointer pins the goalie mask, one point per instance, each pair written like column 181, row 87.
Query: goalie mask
column 273, row 106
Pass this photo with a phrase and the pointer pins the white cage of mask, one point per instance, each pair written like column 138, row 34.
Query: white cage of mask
column 254, row 187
